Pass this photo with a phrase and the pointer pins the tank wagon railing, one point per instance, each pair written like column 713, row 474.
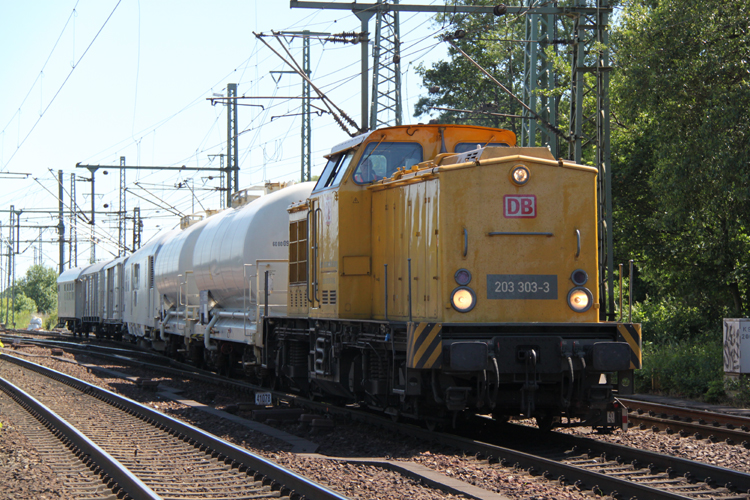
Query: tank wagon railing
column 247, row 296
column 191, row 307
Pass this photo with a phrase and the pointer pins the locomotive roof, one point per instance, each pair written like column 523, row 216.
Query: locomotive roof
column 359, row 139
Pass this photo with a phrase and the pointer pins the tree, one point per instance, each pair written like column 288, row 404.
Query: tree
column 458, row 84
column 682, row 158
column 40, row 285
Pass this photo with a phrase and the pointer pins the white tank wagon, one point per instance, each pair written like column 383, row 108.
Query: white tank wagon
column 211, row 276
column 173, row 271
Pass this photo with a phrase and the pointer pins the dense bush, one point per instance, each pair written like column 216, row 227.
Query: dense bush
column 689, row 368
column 24, row 308
column 670, row 320
column 50, row 320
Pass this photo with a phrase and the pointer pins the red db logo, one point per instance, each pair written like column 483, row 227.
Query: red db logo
column 519, row 206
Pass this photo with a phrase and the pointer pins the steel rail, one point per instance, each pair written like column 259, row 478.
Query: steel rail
column 697, row 471
column 686, row 412
column 134, row 487
column 289, row 479
column 701, row 424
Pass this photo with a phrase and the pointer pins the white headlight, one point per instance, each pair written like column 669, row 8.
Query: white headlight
column 580, row 299
column 519, row 175
column 463, row 299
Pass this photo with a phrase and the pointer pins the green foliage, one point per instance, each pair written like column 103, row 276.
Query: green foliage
column 460, row 85
column 21, row 304
column 24, row 309
column 40, row 284
column 687, row 369
column 681, row 161
column 736, row 392
column 670, row 320
column 716, row 391
column 50, row 321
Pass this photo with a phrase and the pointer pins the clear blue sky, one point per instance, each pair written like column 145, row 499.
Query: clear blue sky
column 89, row 81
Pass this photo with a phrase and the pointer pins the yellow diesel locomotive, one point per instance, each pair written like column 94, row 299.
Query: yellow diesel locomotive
column 439, row 269
column 432, row 271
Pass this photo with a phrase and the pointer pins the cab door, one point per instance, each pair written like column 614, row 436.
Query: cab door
column 323, row 243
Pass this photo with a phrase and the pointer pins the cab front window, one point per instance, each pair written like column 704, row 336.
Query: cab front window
column 381, row 160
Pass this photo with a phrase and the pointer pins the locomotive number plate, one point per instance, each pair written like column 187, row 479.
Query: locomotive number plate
column 522, row 286
column 263, row 398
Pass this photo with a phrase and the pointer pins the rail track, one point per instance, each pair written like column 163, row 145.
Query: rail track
column 588, row 464
column 605, row 468
column 690, row 422
column 141, row 453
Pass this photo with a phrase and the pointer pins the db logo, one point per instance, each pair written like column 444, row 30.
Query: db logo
column 519, row 206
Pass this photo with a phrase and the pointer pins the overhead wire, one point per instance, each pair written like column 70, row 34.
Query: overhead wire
column 41, row 72
column 41, row 115
column 203, row 146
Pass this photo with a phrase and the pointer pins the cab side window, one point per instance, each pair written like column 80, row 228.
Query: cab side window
column 334, row 170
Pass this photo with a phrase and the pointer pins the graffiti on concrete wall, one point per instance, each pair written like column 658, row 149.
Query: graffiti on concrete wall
column 732, row 339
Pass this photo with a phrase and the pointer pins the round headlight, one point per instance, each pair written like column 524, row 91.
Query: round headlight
column 580, row 299
column 579, row 277
column 463, row 277
column 519, row 175
column 463, row 299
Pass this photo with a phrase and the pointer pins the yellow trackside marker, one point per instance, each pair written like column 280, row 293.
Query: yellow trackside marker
column 631, row 333
column 424, row 345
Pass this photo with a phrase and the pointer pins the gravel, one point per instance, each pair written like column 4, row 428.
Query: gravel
column 358, row 440
column 23, row 475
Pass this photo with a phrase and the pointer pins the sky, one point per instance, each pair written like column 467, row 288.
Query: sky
column 89, row 81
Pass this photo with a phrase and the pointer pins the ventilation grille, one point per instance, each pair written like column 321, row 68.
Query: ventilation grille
column 329, row 297
column 299, row 297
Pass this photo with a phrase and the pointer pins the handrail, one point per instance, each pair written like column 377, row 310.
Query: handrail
column 506, row 233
